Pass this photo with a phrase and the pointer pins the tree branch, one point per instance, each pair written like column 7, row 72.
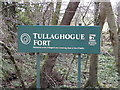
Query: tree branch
column 14, row 63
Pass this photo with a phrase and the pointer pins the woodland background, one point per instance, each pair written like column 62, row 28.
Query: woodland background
column 18, row 70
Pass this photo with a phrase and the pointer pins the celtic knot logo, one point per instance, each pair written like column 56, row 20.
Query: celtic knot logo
column 25, row 38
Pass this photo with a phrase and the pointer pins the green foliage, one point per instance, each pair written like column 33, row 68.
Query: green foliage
column 6, row 69
column 107, row 73
column 16, row 83
column 23, row 18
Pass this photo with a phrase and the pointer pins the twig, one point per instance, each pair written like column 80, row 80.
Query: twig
column 50, row 79
column 69, row 69
column 86, row 13
column 86, row 62
column 14, row 63
column 107, row 52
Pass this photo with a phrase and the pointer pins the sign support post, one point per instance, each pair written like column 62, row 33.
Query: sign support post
column 79, row 69
column 38, row 71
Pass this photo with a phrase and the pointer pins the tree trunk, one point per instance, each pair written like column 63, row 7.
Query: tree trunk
column 118, row 24
column 47, row 69
column 113, row 29
column 69, row 13
column 93, row 81
column 99, row 19
column 113, row 34
column 1, row 17
column 50, row 78
column 119, row 57
column 50, row 62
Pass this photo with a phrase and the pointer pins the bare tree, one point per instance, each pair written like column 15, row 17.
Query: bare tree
column 113, row 32
column 118, row 24
column 99, row 19
column 112, row 29
column 50, row 78
column 93, row 81
column 47, row 69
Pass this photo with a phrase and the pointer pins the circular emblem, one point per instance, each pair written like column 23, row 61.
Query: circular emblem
column 25, row 38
